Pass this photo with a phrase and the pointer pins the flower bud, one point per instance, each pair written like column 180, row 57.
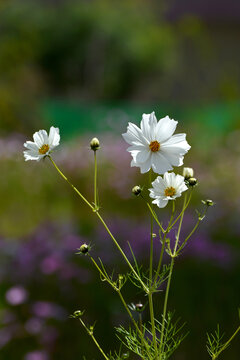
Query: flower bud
column 84, row 248
column 139, row 307
column 136, row 190
column 192, row 181
column 94, row 144
column 188, row 173
column 208, row 202
column 77, row 314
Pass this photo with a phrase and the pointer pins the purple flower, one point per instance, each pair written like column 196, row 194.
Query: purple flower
column 16, row 295
column 36, row 355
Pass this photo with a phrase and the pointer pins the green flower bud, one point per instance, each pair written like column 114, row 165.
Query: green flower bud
column 139, row 307
column 192, row 182
column 84, row 248
column 77, row 314
column 208, row 202
column 95, row 144
column 136, row 190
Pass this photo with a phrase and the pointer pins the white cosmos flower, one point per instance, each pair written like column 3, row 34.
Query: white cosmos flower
column 42, row 145
column 167, row 188
column 153, row 145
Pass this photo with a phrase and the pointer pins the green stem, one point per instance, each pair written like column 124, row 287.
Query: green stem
column 183, row 210
column 104, row 224
column 134, row 322
column 95, row 180
column 150, row 299
column 170, row 276
column 155, row 216
column 165, row 307
column 163, row 244
column 122, row 252
column 226, row 344
column 90, row 333
column 74, row 188
column 180, row 225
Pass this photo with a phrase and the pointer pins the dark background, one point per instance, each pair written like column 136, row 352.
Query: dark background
column 89, row 67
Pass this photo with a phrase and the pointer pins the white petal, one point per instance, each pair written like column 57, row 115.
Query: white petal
column 161, row 203
column 143, row 156
column 165, row 129
column 173, row 156
column 144, row 167
column 177, row 143
column 31, row 145
column 148, row 125
column 28, row 155
column 134, row 135
column 159, row 163
column 54, row 137
column 40, row 138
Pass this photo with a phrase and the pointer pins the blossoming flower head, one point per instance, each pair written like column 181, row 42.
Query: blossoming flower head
column 42, row 145
column 166, row 188
column 153, row 145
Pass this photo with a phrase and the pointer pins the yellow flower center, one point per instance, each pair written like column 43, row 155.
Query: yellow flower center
column 170, row 191
column 43, row 149
column 154, row 146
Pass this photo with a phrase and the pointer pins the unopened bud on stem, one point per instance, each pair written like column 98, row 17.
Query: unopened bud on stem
column 84, row 249
column 188, row 173
column 192, row 181
column 208, row 202
column 136, row 190
column 95, row 144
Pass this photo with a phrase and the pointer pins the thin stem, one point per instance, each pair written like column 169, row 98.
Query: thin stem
column 90, row 333
column 155, row 216
column 104, row 224
column 122, row 299
column 163, row 244
column 226, row 344
column 165, row 306
column 134, row 322
column 150, row 299
column 95, row 180
column 122, row 252
column 74, row 188
column 183, row 210
column 170, row 276
column 151, row 310
column 180, row 225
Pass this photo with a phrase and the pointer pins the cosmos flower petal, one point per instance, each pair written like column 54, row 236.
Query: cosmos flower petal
column 165, row 129
column 28, row 155
column 148, row 125
column 143, row 156
column 161, row 203
column 178, row 141
column 54, row 137
column 30, row 145
column 159, row 163
column 134, row 135
column 173, row 157
column 144, row 167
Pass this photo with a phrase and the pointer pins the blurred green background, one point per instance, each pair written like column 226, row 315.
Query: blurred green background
column 90, row 67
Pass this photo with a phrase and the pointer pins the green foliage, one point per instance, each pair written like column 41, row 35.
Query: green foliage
column 214, row 343
column 171, row 340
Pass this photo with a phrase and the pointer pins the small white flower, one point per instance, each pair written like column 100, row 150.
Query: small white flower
column 153, row 145
column 167, row 188
column 43, row 144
